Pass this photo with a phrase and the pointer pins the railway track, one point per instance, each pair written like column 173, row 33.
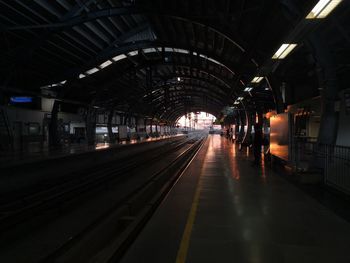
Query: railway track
column 109, row 234
column 18, row 210
column 108, row 237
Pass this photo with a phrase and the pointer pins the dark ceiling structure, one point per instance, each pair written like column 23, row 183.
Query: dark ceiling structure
column 161, row 58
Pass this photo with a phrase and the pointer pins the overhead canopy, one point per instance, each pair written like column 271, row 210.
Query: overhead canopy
column 156, row 57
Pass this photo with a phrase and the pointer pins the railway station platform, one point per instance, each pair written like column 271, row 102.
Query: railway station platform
column 35, row 152
column 224, row 209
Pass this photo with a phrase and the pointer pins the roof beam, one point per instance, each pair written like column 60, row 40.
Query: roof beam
column 123, row 11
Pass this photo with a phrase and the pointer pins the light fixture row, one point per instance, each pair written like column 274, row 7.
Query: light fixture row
column 284, row 51
column 321, row 10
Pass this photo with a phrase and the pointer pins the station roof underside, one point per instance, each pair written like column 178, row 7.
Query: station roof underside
column 159, row 58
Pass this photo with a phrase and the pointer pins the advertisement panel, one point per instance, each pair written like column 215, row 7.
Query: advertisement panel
column 279, row 136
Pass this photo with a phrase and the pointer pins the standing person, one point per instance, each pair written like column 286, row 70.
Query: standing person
column 257, row 143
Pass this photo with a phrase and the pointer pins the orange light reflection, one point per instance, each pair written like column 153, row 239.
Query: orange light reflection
column 233, row 164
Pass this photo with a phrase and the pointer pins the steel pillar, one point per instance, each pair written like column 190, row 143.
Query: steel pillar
column 54, row 140
column 91, row 126
column 328, row 89
column 275, row 85
column 111, row 136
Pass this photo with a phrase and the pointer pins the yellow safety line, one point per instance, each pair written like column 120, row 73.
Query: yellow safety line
column 185, row 241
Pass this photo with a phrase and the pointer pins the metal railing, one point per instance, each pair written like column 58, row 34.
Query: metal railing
column 332, row 161
column 337, row 167
column 306, row 154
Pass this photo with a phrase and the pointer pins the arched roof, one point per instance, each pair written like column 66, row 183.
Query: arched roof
column 115, row 53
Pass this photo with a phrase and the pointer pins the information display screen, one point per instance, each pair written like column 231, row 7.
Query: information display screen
column 21, row 99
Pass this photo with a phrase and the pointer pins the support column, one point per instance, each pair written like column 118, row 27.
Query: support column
column 109, row 127
column 275, row 86
column 145, row 122
column 91, row 126
column 138, row 137
column 329, row 90
column 54, row 140
column 126, row 118
column 249, row 122
column 136, row 124
column 243, row 120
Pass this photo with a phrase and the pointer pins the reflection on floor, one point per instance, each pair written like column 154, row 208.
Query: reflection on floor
column 224, row 209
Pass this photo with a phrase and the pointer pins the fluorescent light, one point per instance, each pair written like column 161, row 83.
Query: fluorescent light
column 55, row 84
column 248, row 89
column 178, row 79
column 149, row 50
column 280, row 51
column 320, row 6
column 283, row 51
column 240, row 98
column 133, row 53
column 183, row 51
column 91, row 71
column 257, row 79
column 323, row 8
column 81, row 76
column 105, row 64
column 328, row 9
column 119, row 57
column 236, row 102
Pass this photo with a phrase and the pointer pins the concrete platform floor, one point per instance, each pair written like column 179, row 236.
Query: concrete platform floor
column 223, row 209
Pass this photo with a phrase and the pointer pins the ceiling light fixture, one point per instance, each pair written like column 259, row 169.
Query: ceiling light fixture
column 119, row 57
column 323, row 8
column 133, row 53
column 248, row 89
column 149, row 50
column 105, row 64
column 284, row 50
column 91, row 71
column 257, row 79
